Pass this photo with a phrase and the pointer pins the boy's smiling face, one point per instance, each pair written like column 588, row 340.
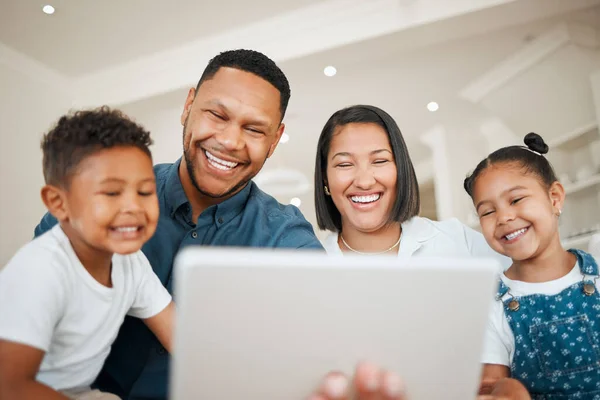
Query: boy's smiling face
column 111, row 205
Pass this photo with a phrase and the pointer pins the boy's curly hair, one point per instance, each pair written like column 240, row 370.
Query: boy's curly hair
column 79, row 134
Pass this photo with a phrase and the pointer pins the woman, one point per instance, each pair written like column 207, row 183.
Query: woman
column 367, row 195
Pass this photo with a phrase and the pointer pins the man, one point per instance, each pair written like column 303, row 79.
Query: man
column 232, row 122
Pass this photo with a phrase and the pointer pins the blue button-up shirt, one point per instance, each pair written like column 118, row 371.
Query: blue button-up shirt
column 137, row 367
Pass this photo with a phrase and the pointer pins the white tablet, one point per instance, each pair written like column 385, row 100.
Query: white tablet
column 262, row 324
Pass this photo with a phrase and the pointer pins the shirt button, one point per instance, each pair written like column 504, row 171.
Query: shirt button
column 220, row 220
column 194, row 234
column 161, row 351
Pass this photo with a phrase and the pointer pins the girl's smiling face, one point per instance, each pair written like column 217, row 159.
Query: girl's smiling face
column 517, row 212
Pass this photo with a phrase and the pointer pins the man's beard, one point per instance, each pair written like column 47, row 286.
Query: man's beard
column 189, row 163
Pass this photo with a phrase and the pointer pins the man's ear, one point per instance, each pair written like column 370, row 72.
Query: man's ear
column 277, row 138
column 55, row 200
column 188, row 105
column 557, row 196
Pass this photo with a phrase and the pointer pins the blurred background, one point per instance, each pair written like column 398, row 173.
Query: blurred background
column 461, row 78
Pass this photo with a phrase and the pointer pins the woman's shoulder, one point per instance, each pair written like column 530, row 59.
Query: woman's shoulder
column 426, row 227
column 450, row 233
column 435, row 237
column 454, row 237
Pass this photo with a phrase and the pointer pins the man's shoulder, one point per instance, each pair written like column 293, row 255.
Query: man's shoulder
column 269, row 207
column 162, row 171
column 286, row 225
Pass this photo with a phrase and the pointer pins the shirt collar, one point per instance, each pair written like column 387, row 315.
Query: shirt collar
column 415, row 232
column 420, row 229
column 223, row 212
column 234, row 205
column 175, row 195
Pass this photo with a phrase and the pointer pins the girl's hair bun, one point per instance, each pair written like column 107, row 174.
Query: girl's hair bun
column 534, row 142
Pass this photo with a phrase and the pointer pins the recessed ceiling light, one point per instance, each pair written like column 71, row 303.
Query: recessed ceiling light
column 433, row 106
column 48, row 9
column 330, row 70
column 284, row 138
column 295, row 201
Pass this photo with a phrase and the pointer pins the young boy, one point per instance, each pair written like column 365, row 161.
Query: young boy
column 64, row 295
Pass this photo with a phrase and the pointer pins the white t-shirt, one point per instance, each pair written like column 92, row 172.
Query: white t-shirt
column 49, row 301
column 424, row 237
column 499, row 342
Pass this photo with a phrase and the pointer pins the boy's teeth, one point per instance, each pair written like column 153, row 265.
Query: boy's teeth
column 218, row 163
column 365, row 199
column 515, row 234
column 127, row 229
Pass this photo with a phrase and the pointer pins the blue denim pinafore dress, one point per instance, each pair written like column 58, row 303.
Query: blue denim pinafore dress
column 557, row 338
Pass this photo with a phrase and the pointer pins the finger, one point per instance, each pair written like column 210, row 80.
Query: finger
column 487, row 385
column 334, row 387
column 393, row 387
column 368, row 381
column 493, row 397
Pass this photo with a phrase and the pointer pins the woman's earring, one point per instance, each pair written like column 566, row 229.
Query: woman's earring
column 327, row 191
column 559, row 212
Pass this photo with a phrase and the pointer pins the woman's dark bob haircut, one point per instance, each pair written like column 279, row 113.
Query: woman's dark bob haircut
column 407, row 203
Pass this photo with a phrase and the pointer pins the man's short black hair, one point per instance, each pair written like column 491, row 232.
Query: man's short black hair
column 254, row 62
column 79, row 134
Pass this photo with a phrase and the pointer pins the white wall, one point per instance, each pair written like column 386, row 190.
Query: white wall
column 595, row 81
column 456, row 151
column 161, row 116
column 27, row 109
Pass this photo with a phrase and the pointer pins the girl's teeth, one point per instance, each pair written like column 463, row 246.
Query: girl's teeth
column 515, row 234
column 127, row 229
column 220, row 164
column 365, row 199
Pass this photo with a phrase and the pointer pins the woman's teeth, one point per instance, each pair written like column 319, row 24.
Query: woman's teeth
column 515, row 234
column 218, row 163
column 365, row 199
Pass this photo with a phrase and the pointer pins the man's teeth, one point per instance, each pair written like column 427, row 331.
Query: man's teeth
column 365, row 199
column 126, row 229
column 515, row 234
column 220, row 164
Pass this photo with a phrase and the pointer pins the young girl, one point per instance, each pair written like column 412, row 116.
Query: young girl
column 544, row 329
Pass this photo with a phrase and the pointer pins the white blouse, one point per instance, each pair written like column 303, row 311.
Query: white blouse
column 424, row 237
